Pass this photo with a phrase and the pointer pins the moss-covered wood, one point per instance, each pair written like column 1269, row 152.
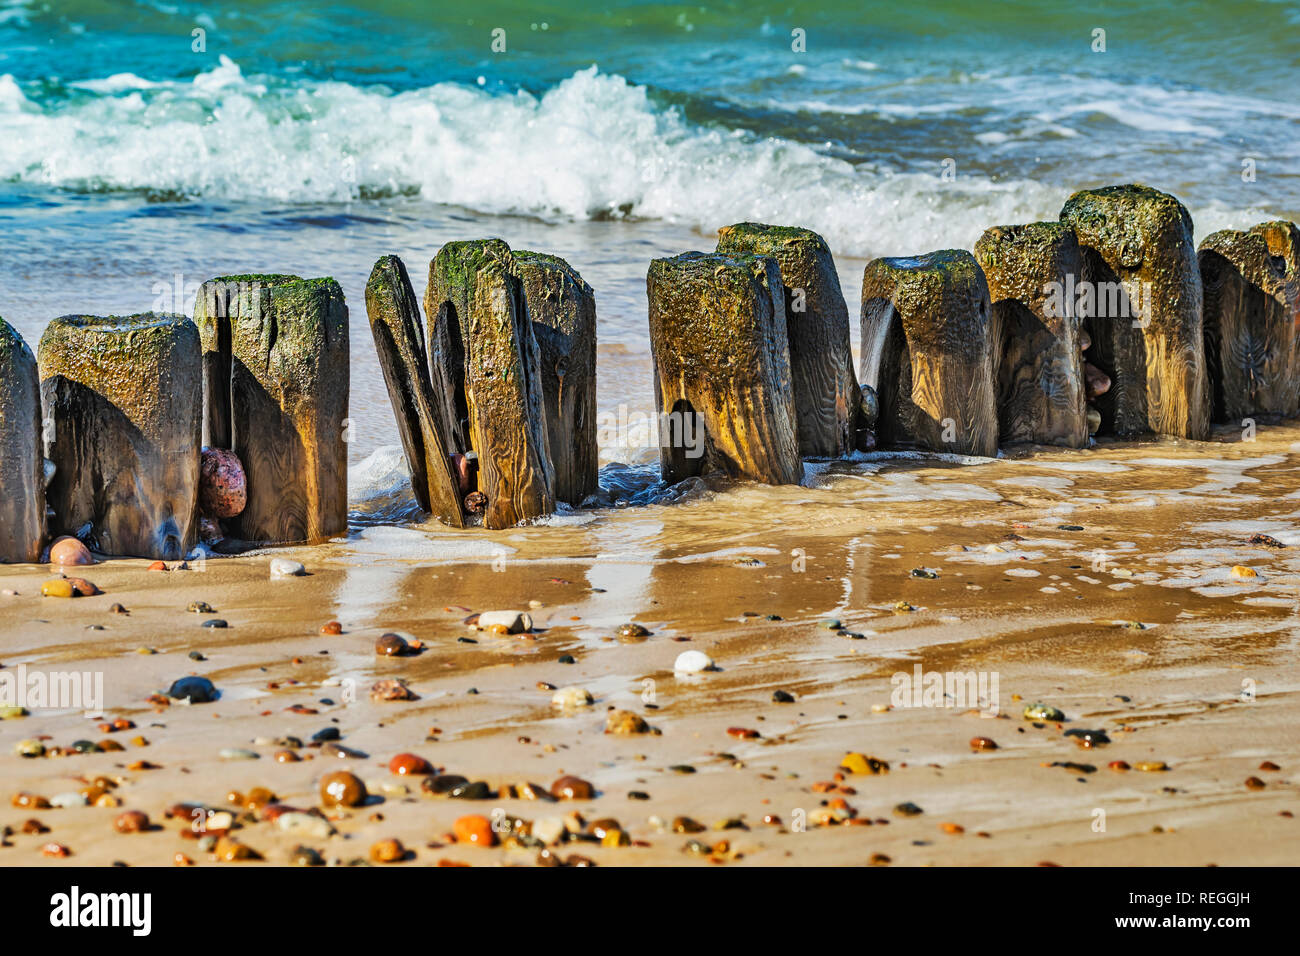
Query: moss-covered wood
column 22, row 457
column 1283, row 240
column 123, row 398
column 1145, row 323
column 276, row 388
column 927, row 349
column 486, row 378
column 1038, row 358
column 826, row 395
column 562, row 309
column 1250, row 335
column 398, row 333
column 723, row 385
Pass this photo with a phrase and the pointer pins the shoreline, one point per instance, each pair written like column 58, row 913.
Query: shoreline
column 691, row 570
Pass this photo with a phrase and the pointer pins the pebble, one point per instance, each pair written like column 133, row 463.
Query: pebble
column 1088, row 738
column 549, row 830
column 441, row 785
column 388, row 851
column 198, row 690
column 475, row 790
column 11, row 712
column 68, row 552
column 132, row 821
column 475, row 830
column 857, row 763
column 1151, row 766
column 284, row 568
column 693, row 662
column 514, row 622
column 571, row 698
column 305, row 856
column 202, row 607
column 572, row 788
column 983, row 743
column 69, row 799
column 782, row 697
column 215, row 622
column 29, row 748
column 409, row 765
column 331, row 628
column 304, row 824
column 238, row 753
column 1044, row 712
column 625, row 723
column 907, row 810
column 342, row 789
column 392, row 645
column 928, row 574
column 633, row 631
column 1243, row 573
column 1265, row 540
column 395, row 689
column 1254, row 783
column 223, row 488
column 228, row 850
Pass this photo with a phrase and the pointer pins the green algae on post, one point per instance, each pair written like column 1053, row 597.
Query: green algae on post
column 276, row 376
column 562, row 310
column 826, row 395
column 486, row 380
column 927, row 350
column 1252, row 351
column 22, row 456
column 123, row 396
column 723, row 387
column 398, row 333
column 1038, row 356
column 1145, row 322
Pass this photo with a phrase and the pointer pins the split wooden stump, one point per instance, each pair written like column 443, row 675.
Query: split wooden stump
column 22, row 456
column 123, row 400
column 928, row 350
column 1251, row 349
column 1145, row 319
column 562, row 309
column 276, row 376
column 486, row 378
column 1038, row 359
column 826, row 396
column 723, row 384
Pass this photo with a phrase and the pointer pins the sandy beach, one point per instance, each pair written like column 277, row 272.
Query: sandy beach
column 1096, row 582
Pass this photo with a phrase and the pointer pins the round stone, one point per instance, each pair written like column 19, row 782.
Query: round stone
column 409, row 765
column 67, row 552
column 223, row 489
column 342, row 789
column 132, row 821
column 198, row 690
column 391, row 645
column 572, row 788
column 692, row 662
column 475, row 830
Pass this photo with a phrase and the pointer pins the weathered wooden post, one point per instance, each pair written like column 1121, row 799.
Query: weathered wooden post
column 398, row 332
column 486, row 381
column 123, row 400
column 562, row 309
column 826, row 396
column 723, row 384
column 1038, row 354
column 1250, row 334
column 927, row 349
column 276, row 381
column 22, row 457
column 1145, row 318
column 1283, row 240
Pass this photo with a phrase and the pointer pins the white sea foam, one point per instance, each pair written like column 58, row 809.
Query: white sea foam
column 593, row 146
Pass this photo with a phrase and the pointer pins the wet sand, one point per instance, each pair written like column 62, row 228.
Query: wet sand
column 1209, row 684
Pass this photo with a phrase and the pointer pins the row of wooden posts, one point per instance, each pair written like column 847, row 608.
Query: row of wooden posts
column 494, row 387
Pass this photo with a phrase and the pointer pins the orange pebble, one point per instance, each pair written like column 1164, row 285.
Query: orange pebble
column 475, row 829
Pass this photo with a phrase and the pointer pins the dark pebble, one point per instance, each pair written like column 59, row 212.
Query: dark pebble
column 782, row 697
column 199, row 690
column 326, row 733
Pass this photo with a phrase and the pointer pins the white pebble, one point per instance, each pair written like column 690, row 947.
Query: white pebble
column 514, row 622
column 284, row 568
column 692, row 662
column 549, row 830
column 569, row 698
column 306, row 824
column 70, row 799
